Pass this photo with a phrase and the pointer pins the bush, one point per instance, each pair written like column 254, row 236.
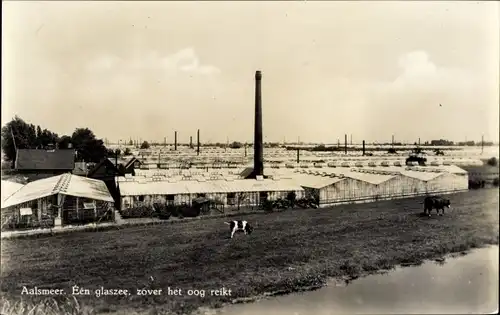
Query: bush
column 476, row 183
column 291, row 197
column 308, row 203
column 178, row 211
column 492, row 161
column 281, row 204
column 267, row 205
column 138, row 212
column 162, row 211
column 189, row 212
column 173, row 210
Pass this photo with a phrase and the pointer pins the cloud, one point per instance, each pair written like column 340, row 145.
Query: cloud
column 420, row 74
column 184, row 61
column 410, row 102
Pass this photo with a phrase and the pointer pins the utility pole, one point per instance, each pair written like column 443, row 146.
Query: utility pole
column 13, row 139
column 482, row 144
column 345, row 143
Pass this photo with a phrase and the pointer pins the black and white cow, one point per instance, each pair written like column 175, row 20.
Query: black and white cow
column 238, row 225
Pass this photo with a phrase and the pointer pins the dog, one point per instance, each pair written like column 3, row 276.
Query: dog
column 435, row 202
column 238, row 225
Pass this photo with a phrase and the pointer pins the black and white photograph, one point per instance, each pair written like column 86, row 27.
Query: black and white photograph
column 250, row 157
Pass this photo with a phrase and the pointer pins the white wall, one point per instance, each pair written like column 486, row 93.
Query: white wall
column 251, row 199
column 351, row 190
column 448, row 182
column 347, row 190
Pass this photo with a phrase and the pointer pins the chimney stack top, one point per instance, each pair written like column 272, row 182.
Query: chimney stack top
column 258, row 75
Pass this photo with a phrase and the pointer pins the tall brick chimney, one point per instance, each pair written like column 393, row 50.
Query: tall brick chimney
column 258, row 159
column 345, row 143
column 198, row 145
column 175, row 140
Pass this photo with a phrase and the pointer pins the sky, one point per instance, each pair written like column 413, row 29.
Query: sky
column 141, row 70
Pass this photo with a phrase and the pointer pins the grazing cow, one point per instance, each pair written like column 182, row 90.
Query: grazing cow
column 434, row 202
column 239, row 225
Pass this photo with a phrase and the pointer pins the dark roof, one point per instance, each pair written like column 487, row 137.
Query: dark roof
column 120, row 160
column 35, row 159
column 105, row 163
column 131, row 161
column 246, row 172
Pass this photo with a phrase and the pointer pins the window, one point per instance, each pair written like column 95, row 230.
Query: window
column 201, row 195
column 170, row 197
column 141, row 198
column 89, row 205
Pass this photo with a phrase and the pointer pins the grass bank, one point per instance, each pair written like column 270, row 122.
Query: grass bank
column 287, row 252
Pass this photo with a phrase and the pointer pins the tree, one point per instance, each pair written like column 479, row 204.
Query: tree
column 87, row 146
column 44, row 139
column 145, row 145
column 31, row 135
column 26, row 136
column 131, row 142
column 127, row 152
column 38, row 135
column 21, row 135
column 64, row 142
column 15, row 134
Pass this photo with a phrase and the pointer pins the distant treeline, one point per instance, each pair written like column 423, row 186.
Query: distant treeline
column 232, row 145
column 19, row 134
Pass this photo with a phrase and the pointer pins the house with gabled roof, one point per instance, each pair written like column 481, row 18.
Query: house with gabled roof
column 133, row 164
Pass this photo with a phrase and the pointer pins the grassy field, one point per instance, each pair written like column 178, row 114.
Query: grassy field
column 288, row 251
